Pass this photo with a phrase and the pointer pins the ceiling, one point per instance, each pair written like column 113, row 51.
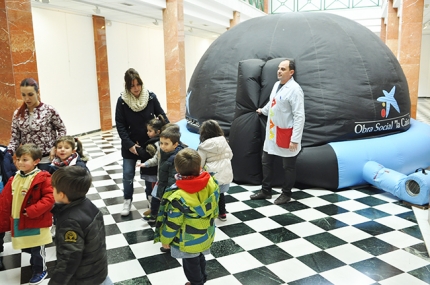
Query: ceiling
column 207, row 19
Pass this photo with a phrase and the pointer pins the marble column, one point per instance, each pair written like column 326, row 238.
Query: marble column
column 383, row 34
column 17, row 60
column 235, row 20
column 266, row 6
column 99, row 28
column 392, row 36
column 410, row 46
column 174, row 56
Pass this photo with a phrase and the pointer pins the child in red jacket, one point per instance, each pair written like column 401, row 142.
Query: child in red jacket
column 25, row 209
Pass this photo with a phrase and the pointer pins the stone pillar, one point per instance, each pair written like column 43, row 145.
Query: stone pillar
column 392, row 28
column 99, row 28
column 235, row 20
column 266, row 6
column 174, row 56
column 383, row 34
column 410, row 46
column 17, row 58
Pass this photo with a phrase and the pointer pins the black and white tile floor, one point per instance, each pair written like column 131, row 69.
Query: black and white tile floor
column 356, row 236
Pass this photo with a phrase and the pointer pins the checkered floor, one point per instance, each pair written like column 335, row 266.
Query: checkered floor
column 356, row 236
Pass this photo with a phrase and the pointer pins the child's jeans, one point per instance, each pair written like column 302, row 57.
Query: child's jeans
column 37, row 259
column 223, row 188
column 148, row 188
column 221, row 204
column 195, row 269
column 155, row 206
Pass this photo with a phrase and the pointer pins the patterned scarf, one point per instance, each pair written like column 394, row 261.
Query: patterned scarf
column 136, row 104
column 189, row 177
column 61, row 163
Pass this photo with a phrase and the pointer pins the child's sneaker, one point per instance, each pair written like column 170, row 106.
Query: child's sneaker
column 149, row 218
column 223, row 217
column 165, row 250
column 37, row 278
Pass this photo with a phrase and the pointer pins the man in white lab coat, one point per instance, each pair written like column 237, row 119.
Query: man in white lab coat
column 285, row 121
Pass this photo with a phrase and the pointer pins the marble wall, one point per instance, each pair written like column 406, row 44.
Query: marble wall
column 383, row 34
column 235, row 20
column 392, row 29
column 99, row 27
column 18, row 58
column 174, row 55
column 424, row 85
column 410, row 46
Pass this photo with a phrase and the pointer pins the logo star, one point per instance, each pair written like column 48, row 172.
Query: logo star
column 389, row 100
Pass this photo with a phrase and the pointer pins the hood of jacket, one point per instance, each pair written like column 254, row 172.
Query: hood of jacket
column 197, row 203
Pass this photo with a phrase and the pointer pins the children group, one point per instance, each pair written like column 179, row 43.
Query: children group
column 186, row 196
column 188, row 191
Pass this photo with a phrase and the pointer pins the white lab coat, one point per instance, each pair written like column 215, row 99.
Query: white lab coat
column 285, row 109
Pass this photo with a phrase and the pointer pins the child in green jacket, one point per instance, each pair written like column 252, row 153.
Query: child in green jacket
column 185, row 221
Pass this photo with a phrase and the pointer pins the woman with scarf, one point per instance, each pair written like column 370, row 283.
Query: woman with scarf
column 135, row 107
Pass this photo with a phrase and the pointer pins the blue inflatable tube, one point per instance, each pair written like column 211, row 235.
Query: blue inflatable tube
column 413, row 188
column 403, row 152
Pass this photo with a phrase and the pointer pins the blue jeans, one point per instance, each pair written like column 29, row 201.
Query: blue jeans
column 37, row 259
column 148, row 188
column 195, row 269
column 128, row 173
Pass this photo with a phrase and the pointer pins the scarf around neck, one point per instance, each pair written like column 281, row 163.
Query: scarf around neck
column 68, row 161
column 136, row 104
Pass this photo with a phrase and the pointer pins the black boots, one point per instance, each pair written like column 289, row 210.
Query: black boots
column 263, row 194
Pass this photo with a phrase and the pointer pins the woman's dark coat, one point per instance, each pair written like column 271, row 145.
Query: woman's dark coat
column 131, row 126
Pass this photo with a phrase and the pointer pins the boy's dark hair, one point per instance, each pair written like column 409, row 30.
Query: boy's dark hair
column 172, row 134
column 172, row 126
column 31, row 149
column 210, row 129
column 187, row 162
column 73, row 181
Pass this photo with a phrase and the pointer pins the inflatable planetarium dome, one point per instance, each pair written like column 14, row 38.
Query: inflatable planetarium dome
column 353, row 85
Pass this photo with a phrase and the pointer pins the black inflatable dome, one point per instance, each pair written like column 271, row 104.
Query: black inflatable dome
column 352, row 82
